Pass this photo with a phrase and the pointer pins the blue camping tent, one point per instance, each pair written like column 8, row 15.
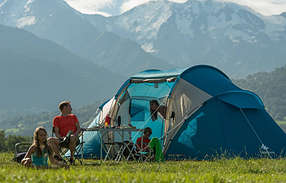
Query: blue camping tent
column 210, row 115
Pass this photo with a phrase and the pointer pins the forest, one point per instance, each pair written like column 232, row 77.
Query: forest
column 271, row 88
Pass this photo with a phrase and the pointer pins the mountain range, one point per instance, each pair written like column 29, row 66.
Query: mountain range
column 45, row 43
column 57, row 21
column 36, row 74
column 226, row 35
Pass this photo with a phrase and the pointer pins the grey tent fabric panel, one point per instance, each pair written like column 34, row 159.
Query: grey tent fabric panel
column 185, row 99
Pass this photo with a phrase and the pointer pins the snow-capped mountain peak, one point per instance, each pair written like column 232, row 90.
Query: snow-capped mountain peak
column 223, row 34
column 17, row 13
column 216, row 18
column 146, row 24
column 188, row 33
column 22, row 13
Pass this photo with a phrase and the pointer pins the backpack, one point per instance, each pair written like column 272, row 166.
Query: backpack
column 18, row 157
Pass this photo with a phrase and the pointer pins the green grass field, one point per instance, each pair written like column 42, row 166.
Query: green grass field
column 12, row 130
column 281, row 122
column 223, row 170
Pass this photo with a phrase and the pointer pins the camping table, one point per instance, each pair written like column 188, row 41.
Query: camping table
column 121, row 131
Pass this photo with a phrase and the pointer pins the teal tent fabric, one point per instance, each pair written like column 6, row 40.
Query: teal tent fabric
column 229, row 121
column 242, row 99
column 91, row 146
column 219, row 128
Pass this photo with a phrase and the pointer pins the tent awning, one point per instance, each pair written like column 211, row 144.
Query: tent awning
column 242, row 99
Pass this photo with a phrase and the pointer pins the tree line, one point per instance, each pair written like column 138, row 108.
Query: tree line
column 271, row 88
column 24, row 125
column 7, row 144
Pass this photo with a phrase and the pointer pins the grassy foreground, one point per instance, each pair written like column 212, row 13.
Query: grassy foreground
column 223, row 170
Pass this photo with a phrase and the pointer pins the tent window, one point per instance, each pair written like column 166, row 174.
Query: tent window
column 137, row 114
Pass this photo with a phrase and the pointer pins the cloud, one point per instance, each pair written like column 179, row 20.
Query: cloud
column 129, row 4
column 92, row 12
column 91, row 6
column 115, row 7
column 265, row 7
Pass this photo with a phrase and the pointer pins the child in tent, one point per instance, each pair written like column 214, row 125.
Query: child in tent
column 39, row 151
column 146, row 140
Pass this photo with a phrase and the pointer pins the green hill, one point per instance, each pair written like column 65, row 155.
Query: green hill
column 37, row 74
column 271, row 88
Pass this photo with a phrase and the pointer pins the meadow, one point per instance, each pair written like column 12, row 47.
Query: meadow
column 220, row 170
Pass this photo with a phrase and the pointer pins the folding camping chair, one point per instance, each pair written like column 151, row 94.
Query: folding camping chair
column 144, row 156
column 140, row 155
column 121, row 150
column 63, row 149
column 108, row 151
column 154, row 155
column 126, row 150
column 18, row 156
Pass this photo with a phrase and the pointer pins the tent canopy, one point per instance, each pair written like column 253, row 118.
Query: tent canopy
column 210, row 113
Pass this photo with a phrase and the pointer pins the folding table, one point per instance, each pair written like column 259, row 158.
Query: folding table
column 104, row 131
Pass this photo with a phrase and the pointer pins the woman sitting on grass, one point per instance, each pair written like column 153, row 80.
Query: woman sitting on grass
column 39, row 151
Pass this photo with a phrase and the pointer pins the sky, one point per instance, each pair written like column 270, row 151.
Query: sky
column 116, row 7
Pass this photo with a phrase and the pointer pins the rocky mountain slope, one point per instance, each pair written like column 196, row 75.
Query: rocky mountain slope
column 226, row 35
